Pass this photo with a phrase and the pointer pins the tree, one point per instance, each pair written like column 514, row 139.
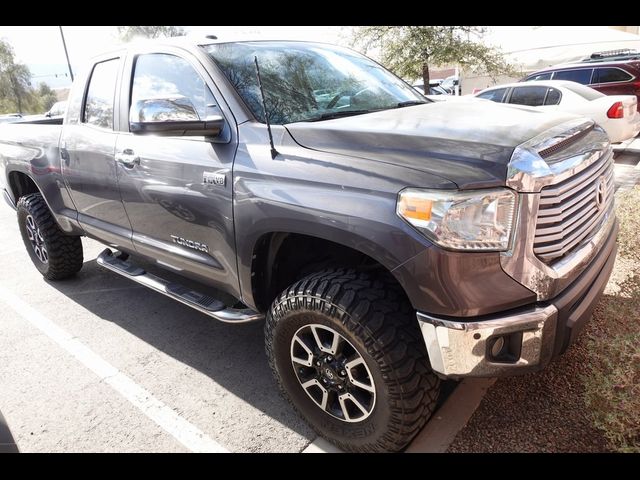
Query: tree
column 409, row 50
column 16, row 93
column 45, row 98
column 149, row 31
column 15, row 80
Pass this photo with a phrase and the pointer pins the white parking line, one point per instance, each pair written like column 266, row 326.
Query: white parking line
column 320, row 445
column 182, row 430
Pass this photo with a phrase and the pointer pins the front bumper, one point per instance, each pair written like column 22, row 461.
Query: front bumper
column 532, row 336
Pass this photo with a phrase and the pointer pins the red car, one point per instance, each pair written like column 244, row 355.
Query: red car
column 608, row 74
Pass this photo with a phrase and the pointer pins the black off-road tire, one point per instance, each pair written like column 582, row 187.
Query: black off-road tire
column 375, row 317
column 64, row 252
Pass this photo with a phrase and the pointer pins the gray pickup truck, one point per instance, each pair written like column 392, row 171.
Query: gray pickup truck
column 387, row 241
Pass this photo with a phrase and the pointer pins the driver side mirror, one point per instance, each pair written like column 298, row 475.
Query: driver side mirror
column 173, row 116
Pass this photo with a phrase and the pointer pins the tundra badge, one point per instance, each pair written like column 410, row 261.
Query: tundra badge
column 190, row 244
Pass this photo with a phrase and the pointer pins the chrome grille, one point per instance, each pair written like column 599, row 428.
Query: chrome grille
column 571, row 211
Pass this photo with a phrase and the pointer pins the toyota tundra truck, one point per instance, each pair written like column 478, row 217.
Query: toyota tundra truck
column 385, row 240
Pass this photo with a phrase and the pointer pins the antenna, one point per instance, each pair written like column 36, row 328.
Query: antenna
column 274, row 152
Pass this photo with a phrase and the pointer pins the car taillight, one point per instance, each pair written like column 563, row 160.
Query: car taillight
column 616, row 110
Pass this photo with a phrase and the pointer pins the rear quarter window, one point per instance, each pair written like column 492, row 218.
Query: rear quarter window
column 553, row 97
column 611, row 75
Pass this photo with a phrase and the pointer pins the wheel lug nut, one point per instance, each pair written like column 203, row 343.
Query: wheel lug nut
column 318, row 363
column 329, row 358
column 343, row 372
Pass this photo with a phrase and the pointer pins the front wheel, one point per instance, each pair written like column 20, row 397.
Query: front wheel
column 55, row 254
column 346, row 350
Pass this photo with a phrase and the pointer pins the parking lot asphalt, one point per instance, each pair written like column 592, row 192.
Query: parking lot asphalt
column 96, row 363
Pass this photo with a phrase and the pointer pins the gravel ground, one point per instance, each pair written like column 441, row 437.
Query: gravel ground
column 540, row 412
column 546, row 411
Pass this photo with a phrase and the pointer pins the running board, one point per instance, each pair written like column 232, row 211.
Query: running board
column 199, row 301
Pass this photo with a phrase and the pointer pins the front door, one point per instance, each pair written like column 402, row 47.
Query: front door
column 88, row 165
column 177, row 191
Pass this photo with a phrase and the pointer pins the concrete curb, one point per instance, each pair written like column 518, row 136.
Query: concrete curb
column 451, row 417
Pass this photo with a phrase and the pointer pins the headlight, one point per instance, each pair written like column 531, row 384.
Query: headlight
column 472, row 220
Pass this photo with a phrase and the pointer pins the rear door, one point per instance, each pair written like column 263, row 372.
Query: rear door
column 87, row 148
column 178, row 192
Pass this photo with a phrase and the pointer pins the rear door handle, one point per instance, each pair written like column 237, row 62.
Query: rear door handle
column 127, row 158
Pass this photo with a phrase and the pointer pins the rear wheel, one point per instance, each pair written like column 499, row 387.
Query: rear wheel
column 346, row 350
column 55, row 254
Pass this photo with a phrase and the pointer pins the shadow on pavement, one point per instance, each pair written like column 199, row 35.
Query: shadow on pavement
column 232, row 355
column 627, row 157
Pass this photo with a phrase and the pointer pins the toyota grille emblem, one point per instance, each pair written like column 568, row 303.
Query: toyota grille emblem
column 601, row 192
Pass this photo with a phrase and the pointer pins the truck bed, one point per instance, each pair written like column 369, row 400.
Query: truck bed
column 29, row 147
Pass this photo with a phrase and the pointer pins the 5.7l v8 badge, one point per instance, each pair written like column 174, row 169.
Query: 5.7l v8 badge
column 215, row 178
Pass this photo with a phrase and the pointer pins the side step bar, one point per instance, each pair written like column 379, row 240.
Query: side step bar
column 196, row 300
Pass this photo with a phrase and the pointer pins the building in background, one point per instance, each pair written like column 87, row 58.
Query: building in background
column 534, row 48
column 635, row 30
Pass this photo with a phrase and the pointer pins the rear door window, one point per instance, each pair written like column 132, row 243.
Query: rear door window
column 496, row 95
column 530, row 96
column 611, row 75
column 98, row 108
column 582, row 75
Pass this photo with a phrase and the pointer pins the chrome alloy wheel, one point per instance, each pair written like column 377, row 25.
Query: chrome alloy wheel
column 37, row 242
column 333, row 373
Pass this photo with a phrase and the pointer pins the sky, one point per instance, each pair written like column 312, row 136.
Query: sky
column 40, row 47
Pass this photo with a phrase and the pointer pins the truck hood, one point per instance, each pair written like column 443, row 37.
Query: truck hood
column 468, row 142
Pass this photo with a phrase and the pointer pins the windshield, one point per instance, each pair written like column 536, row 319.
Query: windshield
column 309, row 82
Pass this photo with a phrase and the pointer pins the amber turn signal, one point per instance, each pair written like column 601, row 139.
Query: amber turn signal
column 415, row 208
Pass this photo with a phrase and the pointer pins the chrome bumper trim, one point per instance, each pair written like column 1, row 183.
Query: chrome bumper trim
column 459, row 349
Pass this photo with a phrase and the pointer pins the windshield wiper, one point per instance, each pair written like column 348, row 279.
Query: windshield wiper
column 410, row 103
column 343, row 113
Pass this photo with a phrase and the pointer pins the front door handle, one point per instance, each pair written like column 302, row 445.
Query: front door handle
column 128, row 158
